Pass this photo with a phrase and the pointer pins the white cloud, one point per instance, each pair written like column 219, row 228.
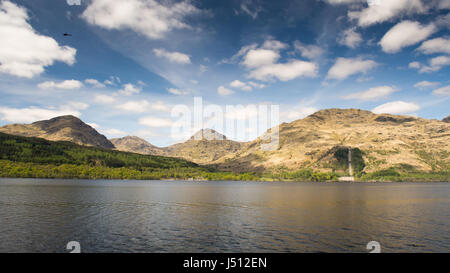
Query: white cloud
column 223, row 91
column 104, row 99
column 263, row 66
column 94, row 83
column 174, row 57
column 437, row 45
column 373, row 93
column 341, row 2
column 396, row 107
column 385, row 10
column 414, row 65
column 308, row 51
column 24, row 52
column 257, row 85
column 155, row 122
column 285, row 71
column 344, row 67
column 259, row 57
column 147, row 17
column 32, row 114
column 129, row 89
column 73, row 2
column 443, row 91
column 405, row 34
column 178, row 92
column 67, row 85
column 434, row 64
column 426, row 84
column 274, row 45
column 239, row 54
column 251, row 8
column 350, row 38
column 241, row 85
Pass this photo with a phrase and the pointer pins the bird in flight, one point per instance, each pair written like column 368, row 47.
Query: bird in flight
column 67, row 34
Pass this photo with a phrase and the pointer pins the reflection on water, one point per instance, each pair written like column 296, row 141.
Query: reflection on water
column 163, row 216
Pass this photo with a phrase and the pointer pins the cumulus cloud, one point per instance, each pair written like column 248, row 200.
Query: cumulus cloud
column 350, row 38
column 174, row 57
column 257, row 85
column 24, row 52
column 242, row 51
column 241, row 85
column 258, row 57
column 274, row 45
column 155, row 122
column 405, row 34
column 147, row 17
column 437, row 45
column 223, row 91
column 285, row 71
column 262, row 63
column 396, row 107
column 385, row 10
column 94, row 83
column 308, row 51
column 434, row 64
column 415, row 65
column 373, row 93
column 340, row 2
column 67, row 85
column 32, row 114
column 129, row 89
column 345, row 67
column 426, row 84
column 443, row 91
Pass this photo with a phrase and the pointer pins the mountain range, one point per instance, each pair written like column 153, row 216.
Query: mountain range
column 320, row 141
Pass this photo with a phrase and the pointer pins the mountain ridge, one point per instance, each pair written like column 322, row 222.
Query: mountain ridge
column 62, row 128
column 318, row 142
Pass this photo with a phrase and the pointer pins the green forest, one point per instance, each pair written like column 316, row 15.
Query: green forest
column 24, row 157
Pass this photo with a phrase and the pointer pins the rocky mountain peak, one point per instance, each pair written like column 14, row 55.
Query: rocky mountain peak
column 208, row 134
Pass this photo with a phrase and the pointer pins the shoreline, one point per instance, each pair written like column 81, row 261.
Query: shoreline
column 253, row 181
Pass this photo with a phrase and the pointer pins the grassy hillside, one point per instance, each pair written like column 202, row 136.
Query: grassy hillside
column 26, row 157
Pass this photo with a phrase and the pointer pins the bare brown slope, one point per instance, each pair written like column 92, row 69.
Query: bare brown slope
column 137, row 145
column 63, row 128
column 205, row 147
column 385, row 140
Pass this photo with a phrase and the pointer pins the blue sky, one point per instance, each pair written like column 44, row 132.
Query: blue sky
column 128, row 63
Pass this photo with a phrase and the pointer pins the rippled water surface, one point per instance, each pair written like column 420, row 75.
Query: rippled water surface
column 168, row 216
